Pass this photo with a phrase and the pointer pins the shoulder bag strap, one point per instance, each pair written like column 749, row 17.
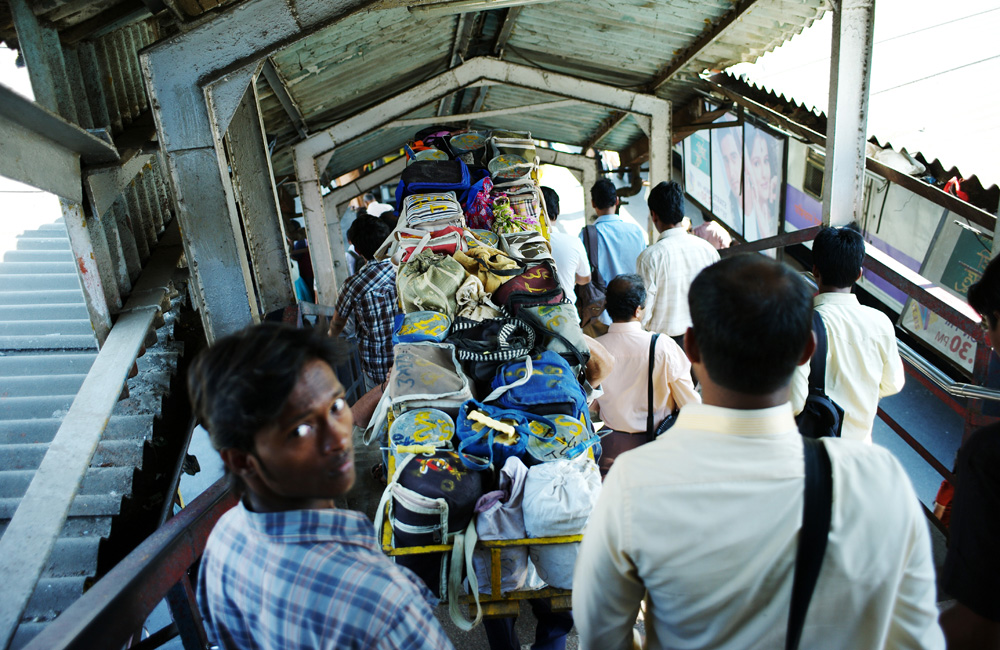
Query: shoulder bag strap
column 817, row 365
column 816, row 512
column 650, row 431
column 590, row 244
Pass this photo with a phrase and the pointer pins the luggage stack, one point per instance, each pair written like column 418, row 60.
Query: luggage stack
column 487, row 398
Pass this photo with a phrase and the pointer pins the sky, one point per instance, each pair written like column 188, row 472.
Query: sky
column 933, row 79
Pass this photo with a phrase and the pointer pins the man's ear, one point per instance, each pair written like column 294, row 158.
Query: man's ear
column 807, row 353
column 816, row 276
column 691, row 346
column 238, row 462
column 861, row 272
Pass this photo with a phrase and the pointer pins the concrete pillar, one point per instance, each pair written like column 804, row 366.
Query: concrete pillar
column 847, row 114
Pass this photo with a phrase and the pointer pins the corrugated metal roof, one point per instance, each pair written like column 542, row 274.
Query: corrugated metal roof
column 373, row 55
column 917, row 102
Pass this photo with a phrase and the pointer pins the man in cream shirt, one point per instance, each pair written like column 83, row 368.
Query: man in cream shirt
column 706, row 519
column 862, row 360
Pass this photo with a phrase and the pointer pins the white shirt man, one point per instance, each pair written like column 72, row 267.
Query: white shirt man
column 862, row 358
column 704, row 522
column 670, row 264
column 571, row 261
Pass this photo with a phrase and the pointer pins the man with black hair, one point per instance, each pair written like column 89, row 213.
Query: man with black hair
column 369, row 296
column 284, row 569
column 567, row 250
column 624, row 404
column 617, row 242
column 670, row 263
column 862, row 359
column 705, row 521
column 972, row 566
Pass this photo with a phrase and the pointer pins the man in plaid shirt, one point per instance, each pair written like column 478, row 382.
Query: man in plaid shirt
column 284, row 569
column 370, row 297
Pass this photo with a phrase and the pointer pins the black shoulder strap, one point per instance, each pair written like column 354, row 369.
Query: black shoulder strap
column 816, row 511
column 650, row 431
column 817, row 365
column 590, row 244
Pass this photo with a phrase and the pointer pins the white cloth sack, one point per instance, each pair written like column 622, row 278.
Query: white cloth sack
column 502, row 518
column 558, row 499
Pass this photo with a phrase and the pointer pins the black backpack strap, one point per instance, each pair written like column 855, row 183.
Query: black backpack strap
column 650, row 430
column 590, row 244
column 817, row 365
column 816, row 512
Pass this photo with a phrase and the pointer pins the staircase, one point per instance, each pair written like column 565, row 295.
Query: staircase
column 47, row 347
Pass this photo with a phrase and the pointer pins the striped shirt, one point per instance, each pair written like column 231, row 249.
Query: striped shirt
column 667, row 268
column 370, row 296
column 309, row 579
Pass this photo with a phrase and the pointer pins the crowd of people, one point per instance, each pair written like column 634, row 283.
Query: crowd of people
column 698, row 530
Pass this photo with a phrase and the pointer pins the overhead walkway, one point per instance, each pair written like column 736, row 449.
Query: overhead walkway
column 47, row 347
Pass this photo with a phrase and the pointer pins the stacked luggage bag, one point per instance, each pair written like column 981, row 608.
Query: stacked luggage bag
column 484, row 422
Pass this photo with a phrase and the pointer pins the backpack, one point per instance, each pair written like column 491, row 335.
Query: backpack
column 543, row 384
column 422, row 176
column 537, row 285
column 429, row 500
column 821, row 416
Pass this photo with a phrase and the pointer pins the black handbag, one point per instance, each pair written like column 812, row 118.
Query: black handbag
column 590, row 297
column 671, row 418
column 821, row 416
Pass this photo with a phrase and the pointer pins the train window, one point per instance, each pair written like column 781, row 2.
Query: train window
column 812, row 183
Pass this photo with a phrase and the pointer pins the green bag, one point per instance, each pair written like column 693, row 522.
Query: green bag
column 428, row 282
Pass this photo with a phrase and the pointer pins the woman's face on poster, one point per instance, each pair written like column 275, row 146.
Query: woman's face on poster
column 760, row 170
column 730, row 149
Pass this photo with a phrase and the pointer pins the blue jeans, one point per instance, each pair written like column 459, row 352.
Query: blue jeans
column 550, row 634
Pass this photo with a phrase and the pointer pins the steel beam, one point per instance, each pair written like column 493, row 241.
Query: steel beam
column 847, row 113
column 253, row 185
column 44, row 57
column 460, row 47
column 709, row 36
column 280, row 90
column 612, row 122
column 513, row 110
column 89, row 247
column 177, row 70
column 506, row 27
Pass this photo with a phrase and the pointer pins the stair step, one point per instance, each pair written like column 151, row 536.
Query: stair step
column 97, row 481
column 59, row 297
column 42, row 233
column 44, row 282
column 46, row 364
column 44, row 312
column 43, row 244
column 27, row 431
column 77, row 527
column 52, row 596
column 85, row 505
column 53, row 342
column 41, row 385
column 26, row 408
column 46, row 328
column 109, row 453
column 40, row 268
column 73, row 557
column 38, row 256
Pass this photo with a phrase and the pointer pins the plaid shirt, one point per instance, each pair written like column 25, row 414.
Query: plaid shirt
column 370, row 296
column 309, row 580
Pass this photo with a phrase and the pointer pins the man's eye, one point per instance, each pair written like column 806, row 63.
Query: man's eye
column 302, row 430
column 339, row 405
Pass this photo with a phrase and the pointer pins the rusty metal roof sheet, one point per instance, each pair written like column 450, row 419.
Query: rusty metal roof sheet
column 372, row 55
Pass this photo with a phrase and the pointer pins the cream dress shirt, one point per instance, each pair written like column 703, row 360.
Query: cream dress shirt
column 667, row 268
column 862, row 362
column 625, row 401
column 706, row 518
